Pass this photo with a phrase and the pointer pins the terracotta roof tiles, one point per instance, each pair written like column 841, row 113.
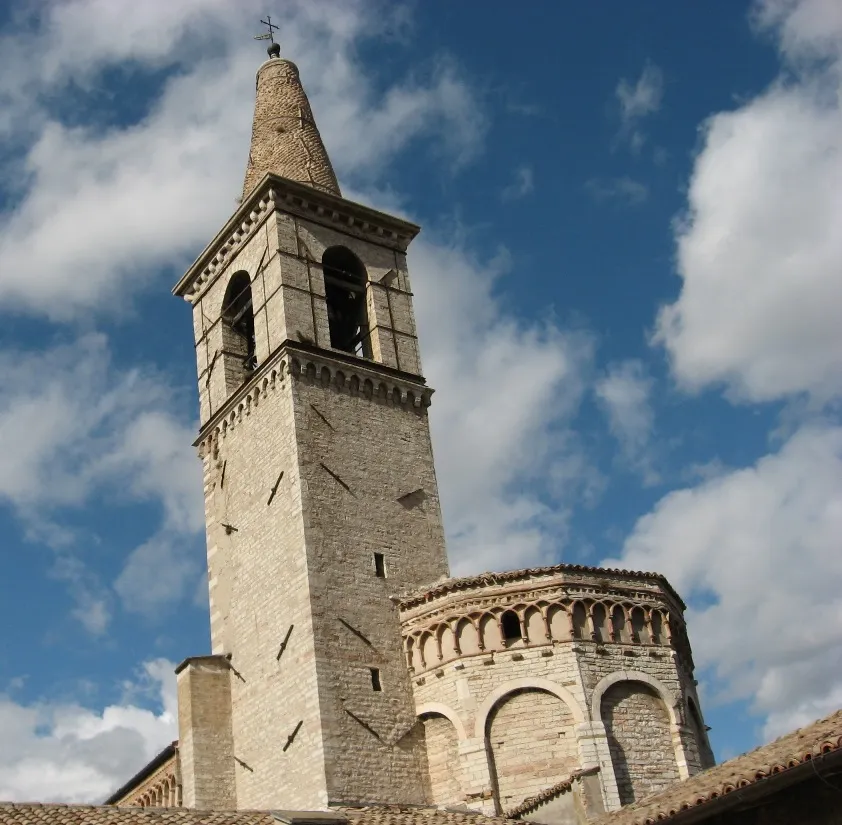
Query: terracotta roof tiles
column 13, row 813
column 787, row 752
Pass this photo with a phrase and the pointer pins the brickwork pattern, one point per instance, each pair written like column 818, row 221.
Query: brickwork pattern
column 442, row 747
column 532, row 743
column 318, row 461
column 359, row 456
column 283, row 261
column 467, row 674
column 638, row 728
column 285, row 139
column 260, row 598
column 206, row 759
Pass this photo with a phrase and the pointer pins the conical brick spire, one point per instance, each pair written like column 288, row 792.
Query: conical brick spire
column 284, row 138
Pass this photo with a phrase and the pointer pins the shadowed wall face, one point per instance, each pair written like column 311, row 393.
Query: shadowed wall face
column 639, row 738
column 531, row 743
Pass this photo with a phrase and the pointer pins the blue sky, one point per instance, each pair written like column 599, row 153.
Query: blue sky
column 628, row 284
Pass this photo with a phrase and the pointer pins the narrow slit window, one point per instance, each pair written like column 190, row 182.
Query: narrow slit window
column 375, row 680
column 379, row 566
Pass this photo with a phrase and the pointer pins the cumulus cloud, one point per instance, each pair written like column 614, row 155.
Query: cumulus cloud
column 756, row 550
column 75, row 429
column 637, row 101
column 624, row 393
column 501, row 416
column 59, row 752
column 759, row 251
column 159, row 573
column 101, row 209
column 70, row 423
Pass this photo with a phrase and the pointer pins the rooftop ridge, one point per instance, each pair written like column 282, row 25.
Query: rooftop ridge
column 441, row 588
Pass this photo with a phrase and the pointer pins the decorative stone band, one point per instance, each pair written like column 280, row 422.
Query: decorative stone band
column 524, row 612
column 336, row 370
column 297, row 199
column 596, row 574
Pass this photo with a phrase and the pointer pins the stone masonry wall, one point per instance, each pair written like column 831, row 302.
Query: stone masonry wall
column 367, row 470
column 161, row 789
column 465, row 670
column 638, row 728
column 442, row 746
column 285, row 139
column 260, row 602
column 311, row 468
column 532, row 742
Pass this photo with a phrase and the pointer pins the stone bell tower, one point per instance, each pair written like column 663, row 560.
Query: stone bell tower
column 320, row 493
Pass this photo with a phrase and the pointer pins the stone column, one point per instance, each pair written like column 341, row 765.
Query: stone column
column 206, row 742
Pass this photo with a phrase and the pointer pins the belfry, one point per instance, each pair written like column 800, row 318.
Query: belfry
column 346, row 667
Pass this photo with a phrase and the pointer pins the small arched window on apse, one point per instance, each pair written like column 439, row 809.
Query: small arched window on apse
column 238, row 341
column 345, row 280
column 510, row 624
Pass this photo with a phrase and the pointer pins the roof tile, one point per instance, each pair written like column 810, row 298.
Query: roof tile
column 785, row 753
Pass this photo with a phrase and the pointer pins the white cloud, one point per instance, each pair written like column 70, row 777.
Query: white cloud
column 70, row 423
column 807, row 29
column 622, row 189
column 760, row 252
column 624, row 393
column 158, row 574
column 103, row 209
column 74, row 429
column 63, row 752
column 757, row 551
column 92, row 600
column 508, row 464
column 638, row 101
column 522, row 185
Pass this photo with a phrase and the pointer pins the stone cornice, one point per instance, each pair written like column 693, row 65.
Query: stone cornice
column 294, row 198
column 528, row 577
column 461, row 604
column 345, row 373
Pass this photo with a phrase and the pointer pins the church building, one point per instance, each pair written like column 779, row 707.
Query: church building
column 351, row 680
column 347, row 667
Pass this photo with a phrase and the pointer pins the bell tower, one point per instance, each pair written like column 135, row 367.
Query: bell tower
column 320, row 492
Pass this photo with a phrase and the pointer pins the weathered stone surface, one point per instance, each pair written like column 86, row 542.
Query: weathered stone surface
column 285, row 139
column 322, row 508
column 638, row 728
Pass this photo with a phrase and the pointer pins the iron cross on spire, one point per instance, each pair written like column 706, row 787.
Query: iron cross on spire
column 272, row 29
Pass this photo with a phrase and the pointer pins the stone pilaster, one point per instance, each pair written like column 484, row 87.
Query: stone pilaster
column 206, row 745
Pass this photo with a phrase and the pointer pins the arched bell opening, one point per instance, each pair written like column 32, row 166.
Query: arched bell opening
column 239, row 351
column 345, row 294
